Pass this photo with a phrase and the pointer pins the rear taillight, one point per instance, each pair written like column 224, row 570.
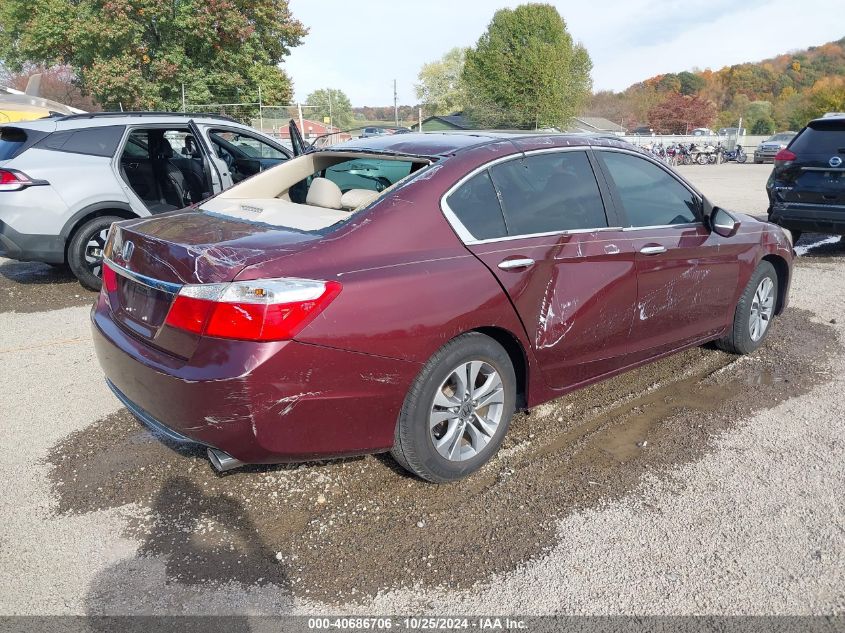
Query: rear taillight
column 12, row 180
column 784, row 157
column 261, row 310
column 109, row 278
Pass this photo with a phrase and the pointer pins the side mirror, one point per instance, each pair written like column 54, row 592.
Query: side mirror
column 723, row 223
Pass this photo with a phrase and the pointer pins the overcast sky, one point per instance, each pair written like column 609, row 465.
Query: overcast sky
column 361, row 46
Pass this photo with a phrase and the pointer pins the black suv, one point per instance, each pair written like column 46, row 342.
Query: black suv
column 807, row 186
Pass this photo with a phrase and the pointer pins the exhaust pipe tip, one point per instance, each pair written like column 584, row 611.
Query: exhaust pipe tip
column 221, row 461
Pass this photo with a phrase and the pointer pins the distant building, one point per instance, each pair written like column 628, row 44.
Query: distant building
column 595, row 125
column 280, row 128
column 439, row 123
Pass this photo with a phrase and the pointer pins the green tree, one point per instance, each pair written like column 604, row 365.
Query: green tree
column 138, row 53
column 690, row 82
column 669, row 83
column 763, row 125
column 758, row 115
column 441, row 88
column 333, row 103
column 525, row 71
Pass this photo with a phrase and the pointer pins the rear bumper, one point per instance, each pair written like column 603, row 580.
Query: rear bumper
column 259, row 402
column 27, row 247
column 808, row 217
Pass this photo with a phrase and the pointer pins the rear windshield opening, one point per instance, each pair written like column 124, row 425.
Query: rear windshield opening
column 316, row 191
column 12, row 140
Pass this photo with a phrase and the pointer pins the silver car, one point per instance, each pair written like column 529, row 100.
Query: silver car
column 767, row 149
column 65, row 179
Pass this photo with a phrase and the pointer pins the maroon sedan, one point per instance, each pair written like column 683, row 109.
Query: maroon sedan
column 409, row 293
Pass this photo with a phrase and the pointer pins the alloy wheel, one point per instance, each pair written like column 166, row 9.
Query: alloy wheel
column 762, row 308
column 94, row 252
column 467, row 410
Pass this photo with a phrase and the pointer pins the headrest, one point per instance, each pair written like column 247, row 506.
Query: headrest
column 324, row 193
column 165, row 149
column 355, row 198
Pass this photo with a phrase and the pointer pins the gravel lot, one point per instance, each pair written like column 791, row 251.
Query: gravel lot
column 700, row 484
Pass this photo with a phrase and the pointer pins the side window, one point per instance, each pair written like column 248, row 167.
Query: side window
column 245, row 155
column 477, row 207
column 547, row 193
column 648, row 194
column 94, row 141
column 137, row 145
column 249, row 146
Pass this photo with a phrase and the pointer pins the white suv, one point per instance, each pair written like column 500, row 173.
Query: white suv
column 65, row 179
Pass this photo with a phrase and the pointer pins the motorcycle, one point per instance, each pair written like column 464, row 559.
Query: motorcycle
column 737, row 155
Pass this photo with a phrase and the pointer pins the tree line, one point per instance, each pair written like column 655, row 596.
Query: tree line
column 780, row 93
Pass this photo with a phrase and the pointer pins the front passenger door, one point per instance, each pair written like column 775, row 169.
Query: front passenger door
column 685, row 284
column 538, row 222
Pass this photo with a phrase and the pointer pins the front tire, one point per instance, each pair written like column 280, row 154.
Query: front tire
column 754, row 312
column 457, row 411
column 85, row 252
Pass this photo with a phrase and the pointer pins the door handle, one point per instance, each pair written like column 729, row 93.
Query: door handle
column 653, row 250
column 511, row 264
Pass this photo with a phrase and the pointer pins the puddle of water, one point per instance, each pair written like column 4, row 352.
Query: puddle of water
column 625, row 431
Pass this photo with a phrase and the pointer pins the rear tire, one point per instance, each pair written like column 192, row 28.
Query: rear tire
column 445, row 431
column 754, row 312
column 85, row 252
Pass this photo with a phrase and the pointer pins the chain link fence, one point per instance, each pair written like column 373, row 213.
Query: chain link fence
column 271, row 119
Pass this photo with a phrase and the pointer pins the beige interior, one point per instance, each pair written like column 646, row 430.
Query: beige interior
column 357, row 198
column 266, row 196
column 324, row 193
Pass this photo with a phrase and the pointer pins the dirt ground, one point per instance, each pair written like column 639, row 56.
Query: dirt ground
column 104, row 517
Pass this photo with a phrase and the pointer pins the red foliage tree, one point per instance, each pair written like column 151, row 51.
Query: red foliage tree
column 677, row 114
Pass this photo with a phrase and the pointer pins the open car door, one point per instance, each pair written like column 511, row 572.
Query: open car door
column 206, row 169
column 297, row 144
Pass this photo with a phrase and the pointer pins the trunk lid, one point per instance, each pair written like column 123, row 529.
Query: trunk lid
column 155, row 257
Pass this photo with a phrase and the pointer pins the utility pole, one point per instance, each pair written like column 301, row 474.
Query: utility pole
column 395, row 105
column 301, row 124
column 260, row 110
column 331, row 120
column 420, row 113
column 183, row 97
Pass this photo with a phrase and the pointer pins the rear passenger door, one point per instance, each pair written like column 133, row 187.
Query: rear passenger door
column 539, row 223
column 686, row 282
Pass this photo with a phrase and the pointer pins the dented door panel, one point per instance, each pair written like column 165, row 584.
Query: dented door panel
column 684, row 292
column 576, row 301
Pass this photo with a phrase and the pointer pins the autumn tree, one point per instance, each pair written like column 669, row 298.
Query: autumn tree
column 57, row 83
column 678, row 114
column 525, row 71
column 827, row 95
column 612, row 106
column 331, row 102
column 440, row 88
column 138, row 53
